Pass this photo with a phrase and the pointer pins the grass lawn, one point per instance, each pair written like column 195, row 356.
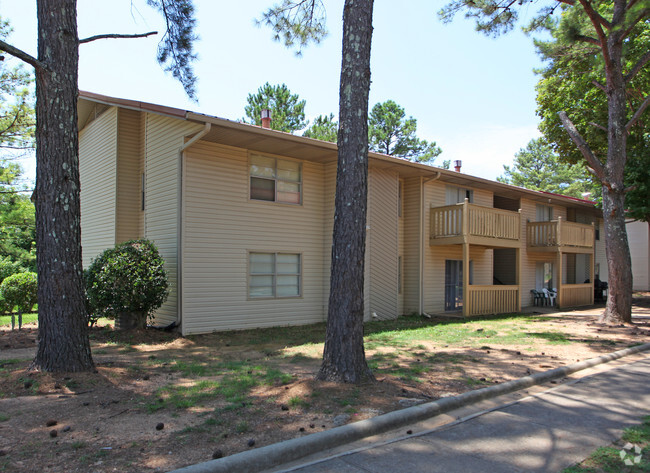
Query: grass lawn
column 5, row 320
column 219, row 392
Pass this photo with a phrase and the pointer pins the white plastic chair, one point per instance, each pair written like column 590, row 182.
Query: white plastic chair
column 550, row 296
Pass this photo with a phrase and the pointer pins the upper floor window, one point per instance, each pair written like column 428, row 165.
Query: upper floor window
column 544, row 213
column 457, row 195
column 275, row 180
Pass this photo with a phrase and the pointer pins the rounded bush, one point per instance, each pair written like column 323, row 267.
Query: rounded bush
column 20, row 290
column 127, row 282
column 9, row 267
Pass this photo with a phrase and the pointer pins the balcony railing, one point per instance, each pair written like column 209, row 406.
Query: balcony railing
column 473, row 221
column 487, row 300
column 560, row 234
column 573, row 295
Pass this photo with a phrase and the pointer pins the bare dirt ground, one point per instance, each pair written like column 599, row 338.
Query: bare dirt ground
column 143, row 410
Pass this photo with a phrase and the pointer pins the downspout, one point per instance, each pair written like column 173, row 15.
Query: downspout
column 179, row 223
column 422, row 236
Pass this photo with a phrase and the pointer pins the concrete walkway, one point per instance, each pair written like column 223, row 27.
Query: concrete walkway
column 542, row 433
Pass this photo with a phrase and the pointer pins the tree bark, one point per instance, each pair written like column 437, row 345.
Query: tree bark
column 619, row 264
column 63, row 343
column 343, row 356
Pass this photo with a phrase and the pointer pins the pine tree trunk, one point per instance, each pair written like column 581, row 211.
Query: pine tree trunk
column 343, row 356
column 63, row 343
column 619, row 264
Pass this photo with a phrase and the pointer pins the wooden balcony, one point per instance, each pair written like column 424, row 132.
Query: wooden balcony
column 559, row 234
column 474, row 224
column 488, row 300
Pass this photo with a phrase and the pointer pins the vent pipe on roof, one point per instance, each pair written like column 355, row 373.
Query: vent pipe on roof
column 457, row 164
column 266, row 118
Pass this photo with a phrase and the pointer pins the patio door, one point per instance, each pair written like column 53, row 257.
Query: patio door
column 544, row 276
column 453, row 285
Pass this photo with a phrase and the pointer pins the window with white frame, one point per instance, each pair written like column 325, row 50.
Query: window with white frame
column 274, row 275
column 275, row 180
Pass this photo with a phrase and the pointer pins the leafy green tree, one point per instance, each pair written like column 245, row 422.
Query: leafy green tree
column 538, row 168
column 16, row 103
column 301, row 22
column 390, row 132
column 603, row 32
column 17, row 229
column 16, row 134
column 287, row 110
column 324, row 128
column 63, row 343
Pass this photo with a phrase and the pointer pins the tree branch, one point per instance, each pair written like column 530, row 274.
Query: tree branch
column 642, row 15
column 597, row 22
column 600, row 127
column 599, row 85
column 22, row 55
column 638, row 113
column 637, row 67
column 594, row 16
column 588, row 39
column 595, row 165
column 116, row 36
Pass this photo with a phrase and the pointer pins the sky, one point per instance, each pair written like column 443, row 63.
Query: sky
column 474, row 96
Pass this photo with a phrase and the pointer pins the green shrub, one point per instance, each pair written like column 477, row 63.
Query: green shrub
column 128, row 279
column 19, row 290
column 9, row 267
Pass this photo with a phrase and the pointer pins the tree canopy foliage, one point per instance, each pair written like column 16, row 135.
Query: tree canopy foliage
column 176, row 48
column 539, row 168
column 324, row 128
column 287, row 109
column 567, row 84
column 390, row 132
column 16, row 102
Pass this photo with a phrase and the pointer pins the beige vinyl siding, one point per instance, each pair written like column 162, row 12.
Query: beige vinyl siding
column 382, row 244
column 222, row 225
column 130, row 163
column 483, row 197
column 97, row 173
column 601, row 256
column 164, row 138
column 638, row 235
column 412, row 244
column 401, row 248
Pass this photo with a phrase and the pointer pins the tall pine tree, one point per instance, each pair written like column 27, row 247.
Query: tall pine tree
column 63, row 339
